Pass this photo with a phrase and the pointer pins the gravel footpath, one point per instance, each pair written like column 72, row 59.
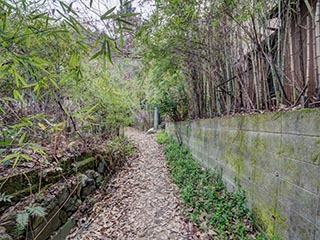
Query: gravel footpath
column 141, row 201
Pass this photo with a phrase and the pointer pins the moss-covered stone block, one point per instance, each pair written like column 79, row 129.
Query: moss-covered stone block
column 304, row 122
column 64, row 231
column 299, row 200
column 293, row 225
column 302, row 174
column 47, row 227
column 87, row 163
column 22, row 184
column 22, row 180
column 278, row 153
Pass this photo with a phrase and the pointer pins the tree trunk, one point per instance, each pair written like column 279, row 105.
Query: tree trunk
column 308, row 62
column 317, row 42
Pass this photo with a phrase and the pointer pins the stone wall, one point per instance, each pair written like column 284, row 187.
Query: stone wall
column 59, row 191
column 275, row 157
column 60, row 198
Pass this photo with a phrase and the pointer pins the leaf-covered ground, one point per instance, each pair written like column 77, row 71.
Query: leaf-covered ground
column 141, row 202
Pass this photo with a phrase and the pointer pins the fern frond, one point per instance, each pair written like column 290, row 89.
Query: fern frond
column 35, row 210
column 22, row 220
column 5, row 197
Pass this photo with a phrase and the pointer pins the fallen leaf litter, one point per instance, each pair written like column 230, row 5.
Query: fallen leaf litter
column 140, row 201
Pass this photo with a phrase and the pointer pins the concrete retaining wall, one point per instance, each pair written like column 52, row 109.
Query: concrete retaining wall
column 275, row 157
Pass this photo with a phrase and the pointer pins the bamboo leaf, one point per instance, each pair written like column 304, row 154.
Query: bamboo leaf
column 10, row 7
column 9, row 157
column 40, row 16
column 67, row 77
column 53, row 82
column 112, row 16
column 18, row 78
column 128, row 29
column 63, row 6
column 97, row 54
column 26, row 157
column 16, row 160
column 58, row 127
column 42, row 127
column 92, row 108
column 16, row 95
column 77, row 23
column 126, row 22
column 109, row 51
column 4, row 21
column 129, row 14
column 121, row 39
column 22, row 138
column 37, row 88
column 107, row 15
column 22, row 124
column 127, row 3
column 113, row 46
column 70, row 22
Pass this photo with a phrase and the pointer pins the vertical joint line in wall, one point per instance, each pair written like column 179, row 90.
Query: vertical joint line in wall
column 277, row 174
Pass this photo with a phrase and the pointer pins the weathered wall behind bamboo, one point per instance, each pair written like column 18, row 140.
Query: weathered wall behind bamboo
column 143, row 120
column 299, row 61
column 294, row 68
column 277, row 68
column 275, row 157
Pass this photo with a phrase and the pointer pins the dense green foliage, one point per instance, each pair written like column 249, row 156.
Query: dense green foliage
column 206, row 201
column 209, row 58
column 58, row 92
column 63, row 87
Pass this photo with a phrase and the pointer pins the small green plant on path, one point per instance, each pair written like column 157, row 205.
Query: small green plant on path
column 206, row 201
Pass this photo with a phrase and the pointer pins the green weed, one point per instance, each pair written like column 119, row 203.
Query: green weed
column 205, row 198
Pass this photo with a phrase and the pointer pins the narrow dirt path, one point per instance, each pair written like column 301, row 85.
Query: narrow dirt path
column 142, row 201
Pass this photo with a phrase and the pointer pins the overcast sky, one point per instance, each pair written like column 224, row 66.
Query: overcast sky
column 91, row 16
column 142, row 6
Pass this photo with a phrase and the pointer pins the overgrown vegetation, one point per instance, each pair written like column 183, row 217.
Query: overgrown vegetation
column 23, row 217
column 208, row 58
column 18, row 216
column 206, row 201
column 63, row 93
column 59, row 95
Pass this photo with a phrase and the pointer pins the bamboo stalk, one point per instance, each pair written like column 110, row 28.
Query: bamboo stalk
column 317, row 43
column 253, row 60
column 246, row 85
column 308, row 60
column 284, row 51
column 313, row 40
column 300, row 39
column 260, row 80
column 269, row 60
column 227, row 69
column 279, row 63
column 292, row 64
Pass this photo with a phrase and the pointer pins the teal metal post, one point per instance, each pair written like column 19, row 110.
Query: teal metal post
column 156, row 118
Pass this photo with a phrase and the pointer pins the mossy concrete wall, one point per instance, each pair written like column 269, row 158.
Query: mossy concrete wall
column 275, row 157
